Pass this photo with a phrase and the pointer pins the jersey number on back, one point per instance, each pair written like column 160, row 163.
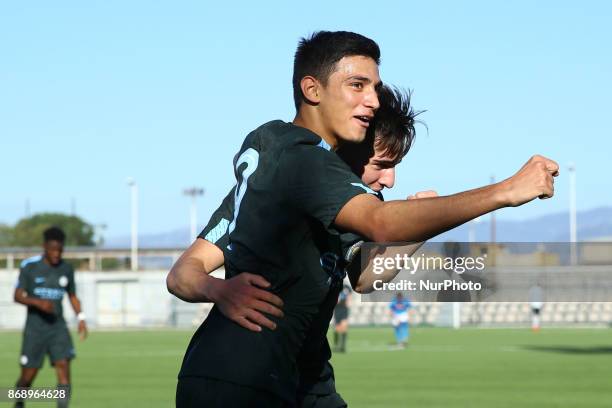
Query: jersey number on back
column 251, row 158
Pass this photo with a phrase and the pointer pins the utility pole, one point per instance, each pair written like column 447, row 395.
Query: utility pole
column 493, row 226
column 572, row 214
column 134, row 221
column 193, row 192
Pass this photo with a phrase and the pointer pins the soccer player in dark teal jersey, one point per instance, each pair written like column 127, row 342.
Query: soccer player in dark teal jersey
column 374, row 161
column 291, row 189
column 43, row 282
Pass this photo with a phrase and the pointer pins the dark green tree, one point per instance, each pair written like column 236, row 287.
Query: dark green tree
column 29, row 231
column 6, row 235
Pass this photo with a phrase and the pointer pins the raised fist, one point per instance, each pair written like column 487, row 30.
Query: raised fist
column 534, row 180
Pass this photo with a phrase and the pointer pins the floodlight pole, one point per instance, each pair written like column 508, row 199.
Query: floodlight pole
column 193, row 192
column 134, row 228
column 472, row 229
column 493, row 225
column 572, row 213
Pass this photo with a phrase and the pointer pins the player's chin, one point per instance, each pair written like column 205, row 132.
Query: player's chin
column 355, row 135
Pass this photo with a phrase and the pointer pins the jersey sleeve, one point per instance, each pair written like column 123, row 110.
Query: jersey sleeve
column 318, row 182
column 71, row 288
column 23, row 281
column 216, row 231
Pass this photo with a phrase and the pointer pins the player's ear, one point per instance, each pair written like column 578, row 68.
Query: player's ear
column 311, row 90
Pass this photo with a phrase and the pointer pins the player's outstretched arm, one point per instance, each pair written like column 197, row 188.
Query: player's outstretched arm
column 419, row 220
column 241, row 298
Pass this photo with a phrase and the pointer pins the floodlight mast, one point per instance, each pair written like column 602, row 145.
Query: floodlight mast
column 572, row 214
column 193, row 192
column 134, row 221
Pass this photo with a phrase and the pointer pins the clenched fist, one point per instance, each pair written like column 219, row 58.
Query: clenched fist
column 534, row 180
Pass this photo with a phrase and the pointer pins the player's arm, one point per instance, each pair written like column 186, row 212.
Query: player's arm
column 43, row 305
column 419, row 220
column 363, row 280
column 189, row 278
column 76, row 306
column 241, row 298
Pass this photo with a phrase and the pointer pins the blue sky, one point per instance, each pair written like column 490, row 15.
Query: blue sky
column 164, row 92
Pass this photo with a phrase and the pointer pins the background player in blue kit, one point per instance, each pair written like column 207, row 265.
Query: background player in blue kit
column 399, row 307
column 43, row 282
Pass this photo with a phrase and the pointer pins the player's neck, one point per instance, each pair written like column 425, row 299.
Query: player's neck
column 308, row 119
column 48, row 262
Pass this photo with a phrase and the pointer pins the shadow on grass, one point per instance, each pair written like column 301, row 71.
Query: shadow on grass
column 571, row 349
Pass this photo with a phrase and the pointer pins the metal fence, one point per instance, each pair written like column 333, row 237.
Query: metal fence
column 112, row 300
column 125, row 299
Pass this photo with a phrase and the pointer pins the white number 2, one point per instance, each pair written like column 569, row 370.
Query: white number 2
column 251, row 158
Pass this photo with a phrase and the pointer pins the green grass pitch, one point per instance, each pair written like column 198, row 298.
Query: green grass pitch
column 440, row 368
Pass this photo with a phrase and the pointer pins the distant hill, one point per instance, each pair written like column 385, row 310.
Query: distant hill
column 593, row 224
column 177, row 238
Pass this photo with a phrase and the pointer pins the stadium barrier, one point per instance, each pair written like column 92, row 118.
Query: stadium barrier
column 124, row 299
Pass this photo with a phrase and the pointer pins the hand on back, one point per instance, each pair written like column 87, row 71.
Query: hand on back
column 242, row 300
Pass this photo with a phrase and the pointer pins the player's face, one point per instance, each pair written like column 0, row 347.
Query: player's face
column 379, row 172
column 53, row 252
column 375, row 167
column 349, row 100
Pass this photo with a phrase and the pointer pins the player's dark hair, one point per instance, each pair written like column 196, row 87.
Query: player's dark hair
column 318, row 54
column 393, row 126
column 54, row 234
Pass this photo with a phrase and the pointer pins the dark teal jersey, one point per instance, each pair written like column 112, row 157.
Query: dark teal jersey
column 290, row 187
column 43, row 281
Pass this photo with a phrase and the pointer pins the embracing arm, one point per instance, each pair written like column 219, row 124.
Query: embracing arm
column 363, row 280
column 189, row 278
column 241, row 298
